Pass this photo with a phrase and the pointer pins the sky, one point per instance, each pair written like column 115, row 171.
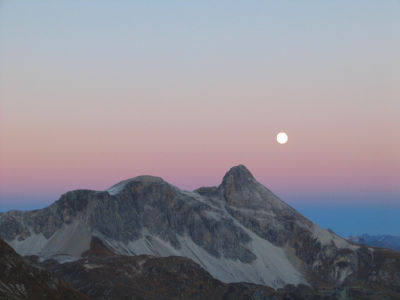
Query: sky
column 92, row 93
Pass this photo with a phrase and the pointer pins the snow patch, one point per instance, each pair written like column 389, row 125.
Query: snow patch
column 117, row 188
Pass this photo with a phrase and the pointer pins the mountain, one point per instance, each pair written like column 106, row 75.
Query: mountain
column 102, row 275
column 147, row 277
column 20, row 280
column 238, row 231
column 382, row 241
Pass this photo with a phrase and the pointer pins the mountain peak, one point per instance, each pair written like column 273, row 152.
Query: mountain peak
column 239, row 187
column 239, row 175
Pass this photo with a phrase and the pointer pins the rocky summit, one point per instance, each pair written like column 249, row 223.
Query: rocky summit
column 238, row 231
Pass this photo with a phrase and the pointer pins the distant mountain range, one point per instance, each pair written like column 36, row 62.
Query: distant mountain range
column 233, row 241
column 382, row 241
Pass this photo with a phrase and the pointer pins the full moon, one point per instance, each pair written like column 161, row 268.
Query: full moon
column 282, row 138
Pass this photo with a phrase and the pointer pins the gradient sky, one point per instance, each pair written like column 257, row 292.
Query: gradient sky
column 92, row 93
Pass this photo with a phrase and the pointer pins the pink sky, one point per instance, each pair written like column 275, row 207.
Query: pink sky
column 186, row 98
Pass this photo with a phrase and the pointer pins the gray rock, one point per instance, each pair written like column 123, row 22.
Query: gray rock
column 238, row 231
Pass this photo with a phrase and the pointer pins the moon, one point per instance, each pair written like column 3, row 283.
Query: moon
column 282, row 138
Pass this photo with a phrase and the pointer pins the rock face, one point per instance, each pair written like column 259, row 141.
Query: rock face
column 238, row 232
column 20, row 280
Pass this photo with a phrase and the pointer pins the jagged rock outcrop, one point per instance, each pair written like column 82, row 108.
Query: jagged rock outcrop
column 238, row 231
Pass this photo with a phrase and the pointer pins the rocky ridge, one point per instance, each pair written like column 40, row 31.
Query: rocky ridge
column 238, row 231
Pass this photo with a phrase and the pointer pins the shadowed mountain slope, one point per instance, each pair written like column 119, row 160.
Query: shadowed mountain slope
column 103, row 275
column 20, row 280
